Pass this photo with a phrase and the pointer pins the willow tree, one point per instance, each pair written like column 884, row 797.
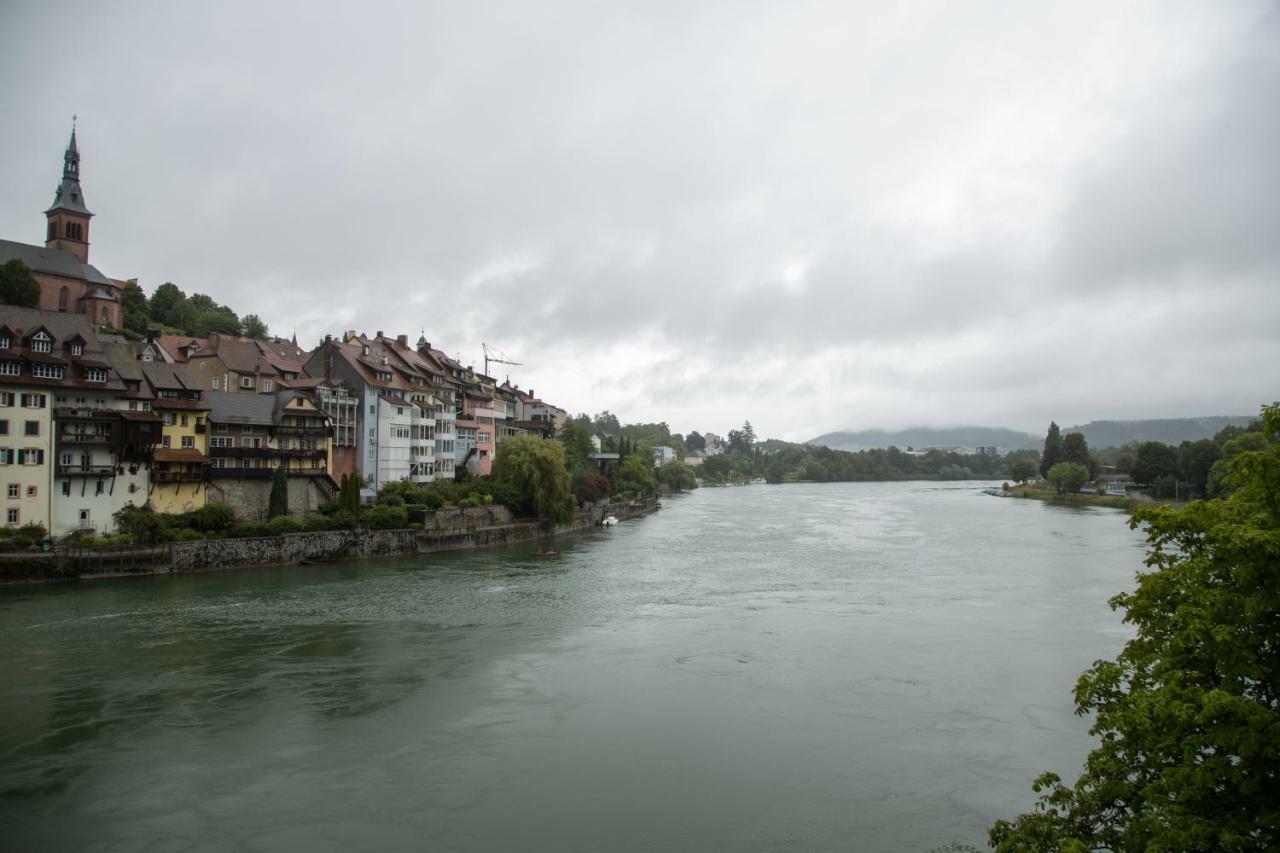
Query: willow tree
column 535, row 468
column 1188, row 715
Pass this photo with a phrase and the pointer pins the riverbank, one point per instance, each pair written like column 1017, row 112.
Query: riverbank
column 445, row 530
column 1125, row 502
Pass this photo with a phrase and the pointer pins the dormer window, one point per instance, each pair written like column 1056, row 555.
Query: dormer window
column 4, row 341
column 41, row 342
column 77, row 348
column 96, row 374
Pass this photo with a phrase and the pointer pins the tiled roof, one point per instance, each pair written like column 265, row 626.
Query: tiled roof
column 54, row 262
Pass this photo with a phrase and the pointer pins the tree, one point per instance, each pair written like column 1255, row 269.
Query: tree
column 695, row 441
column 677, row 476
column 1195, row 461
column 1052, row 453
column 278, row 502
column 168, row 305
column 133, row 304
column 634, row 476
column 577, row 446
column 607, row 423
column 18, row 285
column 1188, row 713
column 1153, row 461
column 254, row 327
column 349, row 494
column 536, row 469
column 1076, row 449
column 1022, row 470
column 1068, row 477
column 590, row 486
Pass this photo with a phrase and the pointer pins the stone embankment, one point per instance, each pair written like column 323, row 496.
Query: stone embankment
column 445, row 530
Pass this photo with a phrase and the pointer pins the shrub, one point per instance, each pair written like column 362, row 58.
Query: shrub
column 390, row 499
column 143, row 524
column 284, row 524
column 214, row 518
column 316, row 522
column 30, row 534
column 590, row 486
column 385, row 518
column 248, row 529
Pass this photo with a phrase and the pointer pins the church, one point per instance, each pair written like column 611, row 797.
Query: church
column 68, row 282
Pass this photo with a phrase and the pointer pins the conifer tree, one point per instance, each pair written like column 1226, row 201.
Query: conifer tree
column 1052, row 454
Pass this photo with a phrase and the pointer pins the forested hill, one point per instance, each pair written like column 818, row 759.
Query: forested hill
column 1172, row 431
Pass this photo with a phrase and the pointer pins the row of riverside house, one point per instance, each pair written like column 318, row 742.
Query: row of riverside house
column 91, row 422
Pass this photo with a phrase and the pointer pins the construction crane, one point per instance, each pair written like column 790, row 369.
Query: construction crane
column 495, row 355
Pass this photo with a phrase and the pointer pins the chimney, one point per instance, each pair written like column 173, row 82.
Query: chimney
column 152, row 334
column 402, row 340
column 378, row 334
column 531, row 394
column 351, row 333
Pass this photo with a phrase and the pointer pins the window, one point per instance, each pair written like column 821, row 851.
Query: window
column 31, row 491
column 189, row 441
column 215, row 383
column 31, row 428
column 183, row 420
column 221, row 441
column 99, row 490
column 66, row 459
column 77, row 348
column 202, row 367
column 33, row 401
column 66, row 488
column 14, row 490
column 4, row 341
column 48, row 371
column 246, row 463
column 223, row 428
column 96, row 374
column 4, row 427
column 31, row 456
column 6, row 455
column 13, row 517
column 164, row 441
column 10, row 368
column 222, row 462
column 373, row 410
column 167, row 417
column 6, row 399
column 267, row 385
column 41, row 342
column 246, row 381
column 105, row 317
column 84, row 518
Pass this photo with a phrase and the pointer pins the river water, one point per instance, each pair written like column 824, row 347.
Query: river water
column 872, row 666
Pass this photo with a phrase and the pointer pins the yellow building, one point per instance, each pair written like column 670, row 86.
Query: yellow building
column 304, row 436
column 178, row 482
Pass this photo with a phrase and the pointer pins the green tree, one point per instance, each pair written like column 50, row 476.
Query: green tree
column 1153, row 461
column 18, row 285
column 278, row 502
column 1068, row 477
column 677, row 476
column 133, row 302
column 1052, row 453
column 536, row 469
column 634, row 476
column 1021, row 470
column 695, row 441
column 168, row 305
column 1188, row 715
column 1076, row 449
column 1195, row 461
column 577, row 446
column 254, row 327
column 590, row 486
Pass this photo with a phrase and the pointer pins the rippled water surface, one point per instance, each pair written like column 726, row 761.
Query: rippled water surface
column 844, row 666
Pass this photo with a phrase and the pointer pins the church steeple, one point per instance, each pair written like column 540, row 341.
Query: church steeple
column 68, row 218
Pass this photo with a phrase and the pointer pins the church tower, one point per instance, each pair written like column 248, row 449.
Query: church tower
column 69, row 218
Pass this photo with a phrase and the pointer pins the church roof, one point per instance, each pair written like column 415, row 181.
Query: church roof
column 54, row 262
column 68, row 195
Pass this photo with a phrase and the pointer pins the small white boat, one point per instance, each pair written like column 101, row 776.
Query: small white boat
column 610, row 521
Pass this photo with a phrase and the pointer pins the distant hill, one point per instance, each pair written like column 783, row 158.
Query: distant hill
column 1168, row 430
column 966, row 436
column 1097, row 433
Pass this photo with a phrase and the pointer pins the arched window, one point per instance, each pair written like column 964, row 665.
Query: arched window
column 62, row 299
column 105, row 316
column 53, row 230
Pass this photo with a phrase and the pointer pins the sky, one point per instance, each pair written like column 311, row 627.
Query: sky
column 816, row 216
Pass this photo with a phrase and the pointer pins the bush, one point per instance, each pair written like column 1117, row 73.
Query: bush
column 282, row 524
column 143, row 524
column 590, row 486
column 248, row 530
column 28, row 535
column 214, row 518
column 385, row 518
column 316, row 522
column 390, row 499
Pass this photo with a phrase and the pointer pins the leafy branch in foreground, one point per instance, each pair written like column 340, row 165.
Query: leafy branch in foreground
column 1189, row 713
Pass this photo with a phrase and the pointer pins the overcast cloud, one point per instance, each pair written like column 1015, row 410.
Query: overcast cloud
column 816, row 216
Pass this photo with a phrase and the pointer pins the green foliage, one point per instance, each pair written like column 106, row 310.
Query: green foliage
column 634, row 476
column 1022, row 470
column 282, row 524
column 1053, row 447
column 384, row 517
column 1188, row 715
column 535, row 469
column 278, row 502
column 348, row 499
column 254, row 327
column 18, row 285
column 1153, row 461
column 143, row 524
column 1195, row 460
column 29, row 535
column 695, row 441
column 1068, row 477
column 213, row 517
column 576, row 441
column 1076, row 449
column 677, row 476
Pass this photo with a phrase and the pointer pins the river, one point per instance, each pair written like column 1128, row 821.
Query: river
column 869, row 666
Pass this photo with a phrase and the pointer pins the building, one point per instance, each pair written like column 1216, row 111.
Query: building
column 663, row 455
column 250, row 435
column 337, row 400
column 68, row 282
column 240, row 364
column 180, row 464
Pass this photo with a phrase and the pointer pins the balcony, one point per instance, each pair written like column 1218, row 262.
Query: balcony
column 201, row 429
column 303, row 430
column 78, row 470
column 84, row 438
column 307, row 472
column 242, row 452
column 176, row 476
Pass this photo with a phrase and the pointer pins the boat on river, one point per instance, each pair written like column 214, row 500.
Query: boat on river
column 610, row 521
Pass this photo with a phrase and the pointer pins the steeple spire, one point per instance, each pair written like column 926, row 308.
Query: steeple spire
column 68, row 196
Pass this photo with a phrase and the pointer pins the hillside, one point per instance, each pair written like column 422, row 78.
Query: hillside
column 1098, row 433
